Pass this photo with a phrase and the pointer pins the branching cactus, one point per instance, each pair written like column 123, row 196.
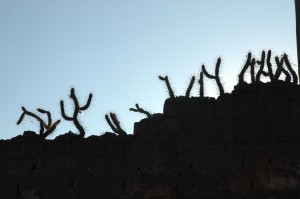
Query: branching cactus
column 280, row 69
column 216, row 76
column 188, row 91
column 49, row 126
column 140, row 110
column 114, row 124
column 288, row 65
column 247, row 64
column 171, row 93
column 77, row 109
column 262, row 65
column 201, row 85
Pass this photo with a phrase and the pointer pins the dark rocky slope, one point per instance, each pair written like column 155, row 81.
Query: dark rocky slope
column 243, row 145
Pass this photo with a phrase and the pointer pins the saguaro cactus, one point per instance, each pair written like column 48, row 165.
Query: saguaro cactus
column 262, row 65
column 140, row 110
column 171, row 93
column 77, row 110
column 115, row 124
column 49, row 126
column 216, row 76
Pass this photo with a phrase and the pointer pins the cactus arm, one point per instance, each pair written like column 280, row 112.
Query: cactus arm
column 281, row 69
column 21, row 118
column 247, row 64
column 269, row 65
column 140, row 110
column 86, row 106
column 117, row 124
column 201, row 85
column 63, row 113
column 47, row 126
column 206, row 73
column 262, row 65
column 217, row 77
column 252, row 71
column 188, row 91
column 110, row 124
column 166, row 79
column 288, row 65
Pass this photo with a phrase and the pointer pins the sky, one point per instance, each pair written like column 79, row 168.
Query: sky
column 116, row 49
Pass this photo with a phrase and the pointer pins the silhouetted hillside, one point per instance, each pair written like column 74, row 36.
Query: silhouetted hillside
column 242, row 145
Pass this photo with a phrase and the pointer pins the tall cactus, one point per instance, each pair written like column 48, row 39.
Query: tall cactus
column 269, row 65
column 77, row 110
column 216, row 76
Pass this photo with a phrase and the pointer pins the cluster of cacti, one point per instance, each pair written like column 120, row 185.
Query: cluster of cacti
column 113, row 121
column 250, row 62
column 49, row 126
column 114, row 124
column 140, row 110
column 216, row 77
column 77, row 110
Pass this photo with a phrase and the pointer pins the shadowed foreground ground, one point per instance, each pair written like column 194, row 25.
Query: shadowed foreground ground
column 243, row 145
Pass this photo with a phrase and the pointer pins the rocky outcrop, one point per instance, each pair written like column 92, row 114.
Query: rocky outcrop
column 242, row 145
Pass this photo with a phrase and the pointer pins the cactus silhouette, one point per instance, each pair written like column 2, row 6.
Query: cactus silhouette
column 216, row 76
column 262, row 65
column 288, row 65
column 280, row 69
column 140, row 110
column 114, row 124
column 171, row 93
column 188, row 91
column 49, row 126
column 269, row 65
column 201, row 84
column 249, row 62
column 77, row 110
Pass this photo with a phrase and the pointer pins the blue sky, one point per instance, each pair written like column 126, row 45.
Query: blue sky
column 116, row 49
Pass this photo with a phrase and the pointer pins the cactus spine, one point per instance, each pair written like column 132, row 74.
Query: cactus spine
column 77, row 110
column 171, row 93
column 114, row 124
column 216, row 76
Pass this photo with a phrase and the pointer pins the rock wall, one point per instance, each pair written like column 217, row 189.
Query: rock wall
column 243, row 145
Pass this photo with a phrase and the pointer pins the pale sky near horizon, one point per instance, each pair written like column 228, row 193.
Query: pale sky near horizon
column 116, row 49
